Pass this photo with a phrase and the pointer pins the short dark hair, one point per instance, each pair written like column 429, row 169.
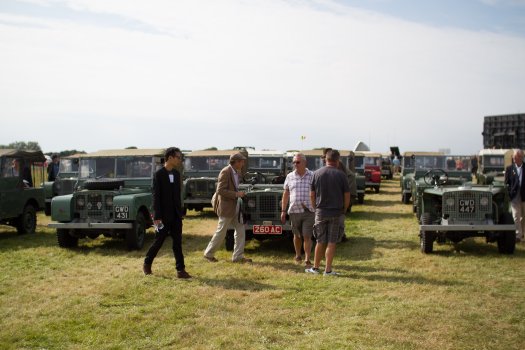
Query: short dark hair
column 332, row 155
column 325, row 150
column 54, row 156
column 171, row 152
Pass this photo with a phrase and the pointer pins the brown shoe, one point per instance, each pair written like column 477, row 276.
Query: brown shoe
column 243, row 261
column 183, row 274
column 308, row 264
column 146, row 268
column 212, row 259
column 298, row 259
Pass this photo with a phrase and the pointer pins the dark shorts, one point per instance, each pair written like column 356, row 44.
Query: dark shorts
column 329, row 229
column 302, row 224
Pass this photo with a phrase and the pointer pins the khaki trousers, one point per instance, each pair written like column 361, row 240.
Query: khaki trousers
column 219, row 235
column 518, row 214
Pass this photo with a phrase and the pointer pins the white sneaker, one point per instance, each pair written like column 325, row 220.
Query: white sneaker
column 312, row 270
column 331, row 273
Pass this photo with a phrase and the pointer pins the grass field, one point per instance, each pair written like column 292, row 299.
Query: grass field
column 389, row 296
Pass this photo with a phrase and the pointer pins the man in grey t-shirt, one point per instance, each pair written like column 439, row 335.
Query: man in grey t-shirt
column 330, row 195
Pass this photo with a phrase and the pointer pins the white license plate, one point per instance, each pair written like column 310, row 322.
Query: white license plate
column 121, row 212
column 267, row 229
column 467, row 206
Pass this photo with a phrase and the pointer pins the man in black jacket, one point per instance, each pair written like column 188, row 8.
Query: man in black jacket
column 515, row 183
column 167, row 209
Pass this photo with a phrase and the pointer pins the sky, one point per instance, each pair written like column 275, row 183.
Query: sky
column 270, row 74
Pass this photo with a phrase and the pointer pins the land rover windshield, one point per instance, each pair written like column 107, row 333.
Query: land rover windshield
column 206, row 163
column 265, row 163
column 125, row 167
column 430, row 162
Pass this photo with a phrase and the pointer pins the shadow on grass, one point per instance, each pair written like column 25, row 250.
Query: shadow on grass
column 235, row 284
column 408, row 279
column 470, row 247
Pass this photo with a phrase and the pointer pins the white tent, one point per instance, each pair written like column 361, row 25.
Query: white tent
column 361, row 146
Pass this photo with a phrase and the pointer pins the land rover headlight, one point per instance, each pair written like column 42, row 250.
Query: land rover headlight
column 109, row 201
column 191, row 186
column 251, row 203
column 81, row 202
column 484, row 201
column 211, row 186
column 449, row 202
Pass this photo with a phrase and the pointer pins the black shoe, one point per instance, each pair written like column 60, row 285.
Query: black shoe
column 146, row 268
column 183, row 274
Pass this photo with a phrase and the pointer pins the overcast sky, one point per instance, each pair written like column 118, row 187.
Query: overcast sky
column 90, row 75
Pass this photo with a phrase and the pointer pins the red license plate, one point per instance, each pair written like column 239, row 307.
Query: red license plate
column 267, row 230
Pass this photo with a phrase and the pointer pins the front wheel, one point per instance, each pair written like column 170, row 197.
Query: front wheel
column 426, row 239
column 66, row 240
column 26, row 222
column 360, row 198
column 135, row 236
column 507, row 242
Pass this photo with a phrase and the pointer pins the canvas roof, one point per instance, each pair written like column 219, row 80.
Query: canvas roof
column 34, row 156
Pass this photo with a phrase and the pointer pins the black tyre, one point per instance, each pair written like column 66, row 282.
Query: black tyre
column 230, row 240
column 426, row 239
column 405, row 198
column 135, row 236
column 360, row 198
column 105, row 184
column 507, row 242
column 376, row 188
column 66, row 240
column 26, row 222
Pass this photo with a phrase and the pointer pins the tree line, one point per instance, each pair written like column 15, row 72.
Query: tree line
column 34, row 146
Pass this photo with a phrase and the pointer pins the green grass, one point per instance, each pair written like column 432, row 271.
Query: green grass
column 390, row 296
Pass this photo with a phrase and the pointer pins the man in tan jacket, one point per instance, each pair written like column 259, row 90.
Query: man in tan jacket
column 228, row 210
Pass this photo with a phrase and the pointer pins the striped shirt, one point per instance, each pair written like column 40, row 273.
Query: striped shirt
column 299, row 188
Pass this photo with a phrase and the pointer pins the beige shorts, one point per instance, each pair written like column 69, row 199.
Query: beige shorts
column 302, row 224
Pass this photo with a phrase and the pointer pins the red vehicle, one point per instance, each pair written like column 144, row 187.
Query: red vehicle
column 372, row 163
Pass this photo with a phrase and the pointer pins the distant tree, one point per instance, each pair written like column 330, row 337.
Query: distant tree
column 65, row 153
column 131, row 147
column 211, row 149
column 21, row 145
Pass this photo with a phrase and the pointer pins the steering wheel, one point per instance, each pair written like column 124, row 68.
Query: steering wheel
column 434, row 177
column 254, row 177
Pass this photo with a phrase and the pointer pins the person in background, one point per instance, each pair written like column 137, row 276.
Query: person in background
column 26, row 173
column 515, row 183
column 330, row 194
column 53, row 167
column 228, row 208
column 301, row 212
column 167, row 211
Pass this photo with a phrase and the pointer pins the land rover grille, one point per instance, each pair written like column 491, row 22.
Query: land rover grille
column 98, row 205
column 263, row 206
column 467, row 205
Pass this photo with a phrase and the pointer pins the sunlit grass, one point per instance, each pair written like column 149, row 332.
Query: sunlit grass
column 389, row 296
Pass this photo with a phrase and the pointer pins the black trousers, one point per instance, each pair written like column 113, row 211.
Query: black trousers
column 173, row 229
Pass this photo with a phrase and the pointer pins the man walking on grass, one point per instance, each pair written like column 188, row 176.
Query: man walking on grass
column 330, row 195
